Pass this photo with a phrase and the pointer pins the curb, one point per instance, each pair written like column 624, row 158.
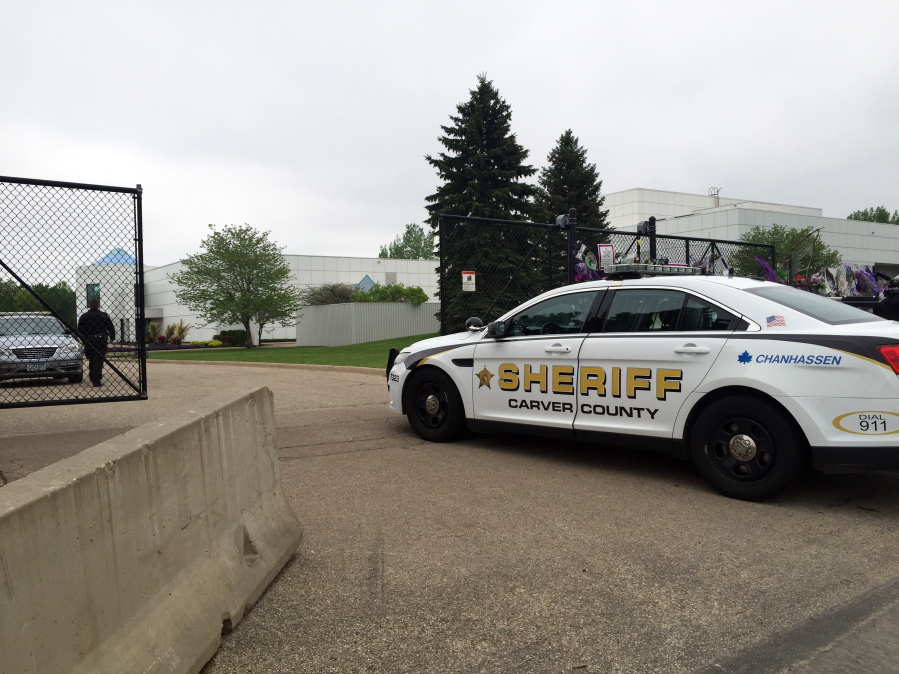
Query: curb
column 290, row 366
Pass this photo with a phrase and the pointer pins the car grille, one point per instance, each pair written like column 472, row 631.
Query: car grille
column 35, row 353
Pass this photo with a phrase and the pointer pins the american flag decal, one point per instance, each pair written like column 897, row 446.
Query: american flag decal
column 775, row 321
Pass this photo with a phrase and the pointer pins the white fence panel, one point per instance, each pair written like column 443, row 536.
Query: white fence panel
column 357, row 322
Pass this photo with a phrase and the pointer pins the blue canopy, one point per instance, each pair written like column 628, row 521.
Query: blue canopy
column 116, row 256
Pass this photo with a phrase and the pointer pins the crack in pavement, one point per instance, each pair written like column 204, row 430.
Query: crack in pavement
column 318, row 425
column 337, row 442
column 349, row 451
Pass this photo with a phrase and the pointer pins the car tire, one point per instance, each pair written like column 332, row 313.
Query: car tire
column 76, row 378
column 746, row 448
column 433, row 406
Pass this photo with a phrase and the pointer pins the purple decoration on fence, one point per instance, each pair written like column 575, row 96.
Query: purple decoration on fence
column 770, row 274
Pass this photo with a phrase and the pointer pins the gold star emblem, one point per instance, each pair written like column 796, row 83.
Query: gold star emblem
column 484, row 377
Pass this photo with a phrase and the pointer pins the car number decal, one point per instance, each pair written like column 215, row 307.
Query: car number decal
column 868, row 423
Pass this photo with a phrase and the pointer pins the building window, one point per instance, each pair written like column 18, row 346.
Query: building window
column 93, row 292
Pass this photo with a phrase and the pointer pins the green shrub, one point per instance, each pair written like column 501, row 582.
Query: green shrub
column 329, row 293
column 232, row 337
column 179, row 330
column 153, row 328
column 240, row 336
column 213, row 342
column 392, row 292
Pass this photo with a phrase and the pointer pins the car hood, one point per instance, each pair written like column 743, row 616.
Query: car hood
column 32, row 341
column 443, row 340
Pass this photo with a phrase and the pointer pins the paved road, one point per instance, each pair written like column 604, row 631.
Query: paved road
column 509, row 554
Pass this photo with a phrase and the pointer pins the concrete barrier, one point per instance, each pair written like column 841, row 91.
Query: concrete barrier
column 134, row 555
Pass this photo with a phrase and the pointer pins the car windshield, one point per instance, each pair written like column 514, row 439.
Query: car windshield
column 30, row 325
column 824, row 309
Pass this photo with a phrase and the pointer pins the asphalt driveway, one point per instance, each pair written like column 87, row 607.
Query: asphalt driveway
column 510, row 554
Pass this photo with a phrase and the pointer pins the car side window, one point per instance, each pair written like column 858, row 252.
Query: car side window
column 644, row 310
column 561, row 315
column 701, row 315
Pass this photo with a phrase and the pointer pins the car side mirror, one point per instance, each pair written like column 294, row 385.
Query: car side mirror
column 497, row 329
column 474, row 324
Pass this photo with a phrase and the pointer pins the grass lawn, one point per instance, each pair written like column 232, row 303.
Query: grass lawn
column 369, row 354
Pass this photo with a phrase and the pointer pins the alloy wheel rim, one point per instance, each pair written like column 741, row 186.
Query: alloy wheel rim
column 742, row 450
column 431, row 405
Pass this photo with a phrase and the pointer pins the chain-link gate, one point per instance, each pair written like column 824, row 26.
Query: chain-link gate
column 489, row 266
column 71, row 294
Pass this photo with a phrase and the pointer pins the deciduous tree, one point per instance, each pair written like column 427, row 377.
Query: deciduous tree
column 876, row 214
column 798, row 249
column 413, row 244
column 59, row 296
column 240, row 277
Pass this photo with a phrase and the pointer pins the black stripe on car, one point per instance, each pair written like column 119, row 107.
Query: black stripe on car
column 416, row 358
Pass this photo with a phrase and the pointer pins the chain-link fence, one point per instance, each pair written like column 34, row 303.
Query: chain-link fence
column 489, row 266
column 712, row 256
column 71, row 294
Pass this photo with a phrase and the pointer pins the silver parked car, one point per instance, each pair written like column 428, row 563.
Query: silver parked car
column 37, row 345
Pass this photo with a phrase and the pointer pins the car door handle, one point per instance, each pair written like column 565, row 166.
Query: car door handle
column 692, row 348
column 557, row 348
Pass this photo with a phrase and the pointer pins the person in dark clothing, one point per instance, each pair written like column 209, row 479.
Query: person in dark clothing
column 96, row 329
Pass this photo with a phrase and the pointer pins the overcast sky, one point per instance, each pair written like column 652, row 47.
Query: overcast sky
column 312, row 119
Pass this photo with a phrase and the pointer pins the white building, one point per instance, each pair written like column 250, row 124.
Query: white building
column 711, row 217
column 308, row 270
column 677, row 213
column 112, row 281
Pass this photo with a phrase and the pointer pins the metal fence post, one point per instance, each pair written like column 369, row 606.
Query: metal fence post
column 442, row 238
column 549, row 258
column 572, row 242
column 139, row 268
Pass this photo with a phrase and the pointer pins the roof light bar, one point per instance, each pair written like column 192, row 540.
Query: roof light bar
column 651, row 269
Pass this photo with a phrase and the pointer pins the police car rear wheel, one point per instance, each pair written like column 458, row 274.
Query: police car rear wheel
column 434, row 407
column 746, row 448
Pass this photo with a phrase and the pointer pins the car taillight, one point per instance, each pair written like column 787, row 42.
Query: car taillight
column 891, row 353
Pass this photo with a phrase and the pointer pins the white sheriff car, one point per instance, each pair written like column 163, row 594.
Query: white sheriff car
column 751, row 380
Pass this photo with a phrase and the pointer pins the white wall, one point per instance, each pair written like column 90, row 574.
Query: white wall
column 862, row 243
column 308, row 271
column 116, row 283
column 628, row 207
column 358, row 322
column 682, row 214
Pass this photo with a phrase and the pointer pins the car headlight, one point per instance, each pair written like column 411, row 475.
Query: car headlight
column 71, row 348
column 5, row 352
column 401, row 357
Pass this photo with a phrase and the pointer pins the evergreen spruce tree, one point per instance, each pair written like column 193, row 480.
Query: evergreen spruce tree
column 483, row 174
column 570, row 182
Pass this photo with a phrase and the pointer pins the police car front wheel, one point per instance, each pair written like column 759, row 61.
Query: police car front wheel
column 434, row 407
column 746, row 448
